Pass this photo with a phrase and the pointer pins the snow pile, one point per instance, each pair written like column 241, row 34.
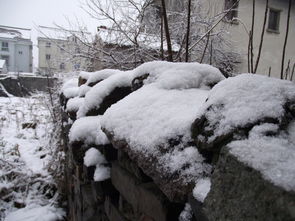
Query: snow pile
column 83, row 89
column 186, row 214
column 272, row 155
column 100, row 75
column 88, row 130
column 36, row 213
column 70, row 88
column 165, row 74
column 73, row 104
column 94, row 158
column 244, row 100
column 97, row 93
column 202, row 189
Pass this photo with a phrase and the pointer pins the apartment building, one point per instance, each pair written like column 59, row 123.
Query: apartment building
column 61, row 53
column 16, row 49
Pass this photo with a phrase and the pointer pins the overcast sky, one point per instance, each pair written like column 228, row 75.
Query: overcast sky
column 31, row 13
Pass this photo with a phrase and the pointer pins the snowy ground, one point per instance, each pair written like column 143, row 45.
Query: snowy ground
column 27, row 189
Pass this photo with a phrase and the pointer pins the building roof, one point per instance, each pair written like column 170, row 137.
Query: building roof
column 14, row 32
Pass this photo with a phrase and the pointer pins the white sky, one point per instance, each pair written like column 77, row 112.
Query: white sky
column 31, row 13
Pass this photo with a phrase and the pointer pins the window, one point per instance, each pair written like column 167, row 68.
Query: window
column 48, row 44
column 20, row 52
column 233, row 13
column 6, row 58
column 62, row 66
column 4, row 46
column 273, row 20
column 48, row 57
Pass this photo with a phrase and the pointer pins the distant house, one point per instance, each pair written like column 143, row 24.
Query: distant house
column 3, row 68
column 61, row 53
column 16, row 49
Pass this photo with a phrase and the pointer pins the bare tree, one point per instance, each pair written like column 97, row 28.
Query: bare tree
column 286, row 39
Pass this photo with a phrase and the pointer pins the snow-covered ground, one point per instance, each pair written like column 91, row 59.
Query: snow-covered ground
column 27, row 188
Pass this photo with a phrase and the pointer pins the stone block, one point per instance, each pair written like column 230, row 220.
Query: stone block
column 156, row 205
column 112, row 211
column 197, row 209
column 132, row 167
column 126, row 184
column 239, row 192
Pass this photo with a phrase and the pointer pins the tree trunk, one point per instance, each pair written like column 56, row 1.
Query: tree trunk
column 262, row 36
column 286, row 39
column 168, row 40
column 188, row 30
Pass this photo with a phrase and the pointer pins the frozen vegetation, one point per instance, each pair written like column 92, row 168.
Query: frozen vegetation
column 27, row 188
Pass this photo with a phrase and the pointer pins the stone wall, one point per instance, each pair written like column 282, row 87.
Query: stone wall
column 25, row 85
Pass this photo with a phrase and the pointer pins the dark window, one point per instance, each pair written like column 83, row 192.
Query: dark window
column 20, row 52
column 233, row 13
column 4, row 46
column 48, row 44
column 48, row 57
column 274, row 20
column 62, row 66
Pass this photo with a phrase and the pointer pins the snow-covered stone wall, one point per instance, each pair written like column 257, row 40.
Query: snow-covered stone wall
column 178, row 141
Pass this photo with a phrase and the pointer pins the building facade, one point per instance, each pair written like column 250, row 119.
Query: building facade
column 237, row 25
column 16, row 50
column 62, row 51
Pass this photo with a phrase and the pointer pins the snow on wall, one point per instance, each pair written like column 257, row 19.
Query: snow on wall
column 162, row 109
column 273, row 156
column 88, row 130
column 245, row 99
column 101, row 75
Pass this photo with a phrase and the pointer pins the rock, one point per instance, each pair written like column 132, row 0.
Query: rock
column 239, row 192
column 117, row 94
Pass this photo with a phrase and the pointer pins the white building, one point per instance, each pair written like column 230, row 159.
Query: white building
column 15, row 49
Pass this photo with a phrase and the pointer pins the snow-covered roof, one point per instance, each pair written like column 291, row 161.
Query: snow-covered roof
column 14, row 32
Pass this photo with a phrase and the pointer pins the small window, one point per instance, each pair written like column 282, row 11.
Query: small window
column 4, row 46
column 233, row 13
column 20, row 52
column 274, row 20
column 48, row 57
column 48, row 44
column 62, row 66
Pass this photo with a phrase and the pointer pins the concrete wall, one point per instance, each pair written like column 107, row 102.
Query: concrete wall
column 24, row 86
